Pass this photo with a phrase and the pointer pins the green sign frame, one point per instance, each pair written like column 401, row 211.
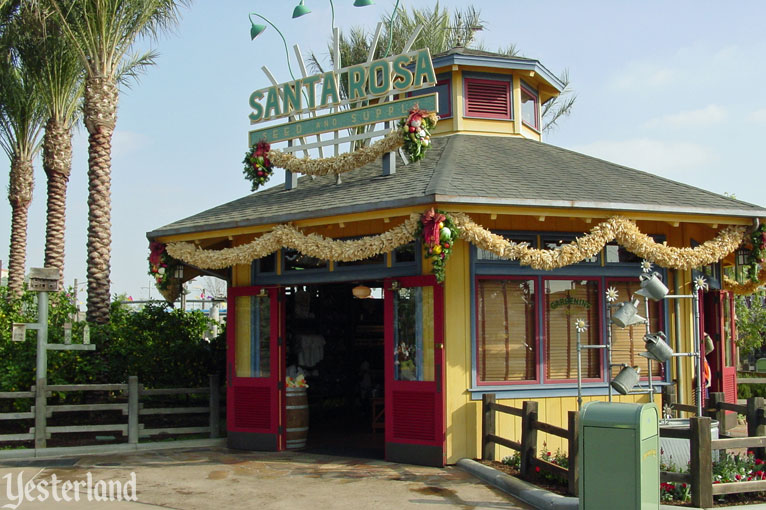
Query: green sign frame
column 343, row 120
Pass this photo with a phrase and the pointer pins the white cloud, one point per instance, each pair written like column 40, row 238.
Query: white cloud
column 666, row 158
column 758, row 116
column 707, row 116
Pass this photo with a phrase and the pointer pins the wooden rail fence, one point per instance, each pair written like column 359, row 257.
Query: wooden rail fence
column 527, row 448
column 701, row 446
column 134, row 409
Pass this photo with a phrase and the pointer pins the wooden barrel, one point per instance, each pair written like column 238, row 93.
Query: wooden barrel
column 297, row 430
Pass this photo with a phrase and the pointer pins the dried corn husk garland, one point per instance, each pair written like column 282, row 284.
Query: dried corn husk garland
column 623, row 230
column 287, row 236
column 338, row 164
column 746, row 288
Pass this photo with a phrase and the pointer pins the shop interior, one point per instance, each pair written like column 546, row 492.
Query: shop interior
column 334, row 336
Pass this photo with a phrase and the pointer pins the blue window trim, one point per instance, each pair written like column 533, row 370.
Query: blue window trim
column 529, row 89
column 442, row 79
column 509, row 268
column 343, row 274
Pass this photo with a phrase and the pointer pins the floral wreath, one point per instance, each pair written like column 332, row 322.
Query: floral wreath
column 416, row 132
column 439, row 235
column 258, row 167
column 162, row 266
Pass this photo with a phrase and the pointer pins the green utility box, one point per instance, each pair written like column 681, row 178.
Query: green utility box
column 619, row 456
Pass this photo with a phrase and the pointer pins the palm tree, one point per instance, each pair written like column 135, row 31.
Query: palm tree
column 58, row 73
column 440, row 32
column 103, row 33
column 20, row 127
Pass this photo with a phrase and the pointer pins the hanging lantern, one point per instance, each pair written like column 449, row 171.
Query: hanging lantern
column 361, row 291
column 741, row 261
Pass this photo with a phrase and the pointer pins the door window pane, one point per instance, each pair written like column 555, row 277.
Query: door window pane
column 565, row 302
column 253, row 336
column 506, row 330
column 414, row 334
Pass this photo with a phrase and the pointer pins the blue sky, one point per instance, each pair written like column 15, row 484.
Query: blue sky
column 666, row 87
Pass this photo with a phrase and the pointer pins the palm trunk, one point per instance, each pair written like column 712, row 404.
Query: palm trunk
column 57, row 163
column 20, row 195
column 101, row 95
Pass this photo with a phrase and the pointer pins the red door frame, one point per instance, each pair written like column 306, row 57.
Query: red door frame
column 249, row 397
column 409, row 441
column 712, row 322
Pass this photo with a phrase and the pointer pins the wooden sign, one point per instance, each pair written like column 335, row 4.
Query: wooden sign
column 19, row 332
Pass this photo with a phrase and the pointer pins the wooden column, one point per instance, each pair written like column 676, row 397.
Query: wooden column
column 756, row 422
column 488, row 426
column 573, row 475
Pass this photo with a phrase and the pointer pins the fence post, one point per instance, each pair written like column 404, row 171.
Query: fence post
column 133, row 409
column 528, row 437
column 716, row 398
column 573, row 471
column 701, row 462
column 669, row 397
column 215, row 410
column 756, row 423
column 488, row 426
column 41, row 402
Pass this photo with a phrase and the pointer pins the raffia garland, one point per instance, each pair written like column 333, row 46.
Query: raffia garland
column 746, row 288
column 338, row 164
column 624, row 231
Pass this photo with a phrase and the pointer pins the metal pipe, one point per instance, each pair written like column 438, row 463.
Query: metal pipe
column 648, row 332
column 696, row 306
column 579, row 371
column 677, row 325
column 609, row 348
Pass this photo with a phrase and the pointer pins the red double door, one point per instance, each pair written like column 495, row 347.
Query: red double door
column 718, row 320
column 414, row 367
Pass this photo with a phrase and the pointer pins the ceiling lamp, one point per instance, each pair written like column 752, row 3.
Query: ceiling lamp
column 361, row 292
column 255, row 30
column 363, row 3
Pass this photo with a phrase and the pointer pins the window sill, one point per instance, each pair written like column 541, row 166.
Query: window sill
column 551, row 390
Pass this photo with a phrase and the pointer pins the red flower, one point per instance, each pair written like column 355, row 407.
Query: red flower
column 155, row 252
column 537, row 469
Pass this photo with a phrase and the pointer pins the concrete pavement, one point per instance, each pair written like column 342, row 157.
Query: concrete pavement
column 220, row 478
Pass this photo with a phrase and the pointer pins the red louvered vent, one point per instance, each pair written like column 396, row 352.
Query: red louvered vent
column 252, row 408
column 487, row 98
column 414, row 416
column 730, row 386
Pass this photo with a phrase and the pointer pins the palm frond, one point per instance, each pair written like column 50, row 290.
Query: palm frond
column 132, row 66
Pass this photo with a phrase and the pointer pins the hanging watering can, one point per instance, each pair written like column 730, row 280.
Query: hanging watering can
column 652, row 287
column 627, row 314
column 657, row 345
column 626, row 379
column 709, row 346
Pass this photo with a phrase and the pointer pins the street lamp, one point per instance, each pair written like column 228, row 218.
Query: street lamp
column 257, row 29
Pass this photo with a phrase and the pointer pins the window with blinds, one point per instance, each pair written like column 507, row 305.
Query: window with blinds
column 565, row 302
column 506, row 330
column 628, row 343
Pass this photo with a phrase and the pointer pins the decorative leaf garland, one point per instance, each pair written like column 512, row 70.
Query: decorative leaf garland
column 439, row 234
column 258, row 168
column 624, row 231
column 747, row 287
column 758, row 252
column 162, row 267
column 416, row 132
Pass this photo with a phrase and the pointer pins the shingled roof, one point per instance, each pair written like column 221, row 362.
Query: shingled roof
column 463, row 169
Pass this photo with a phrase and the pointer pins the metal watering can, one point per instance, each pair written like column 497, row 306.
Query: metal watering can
column 656, row 344
column 626, row 379
column 627, row 315
column 652, row 287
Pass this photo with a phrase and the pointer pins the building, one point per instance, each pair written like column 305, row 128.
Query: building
column 405, row 369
